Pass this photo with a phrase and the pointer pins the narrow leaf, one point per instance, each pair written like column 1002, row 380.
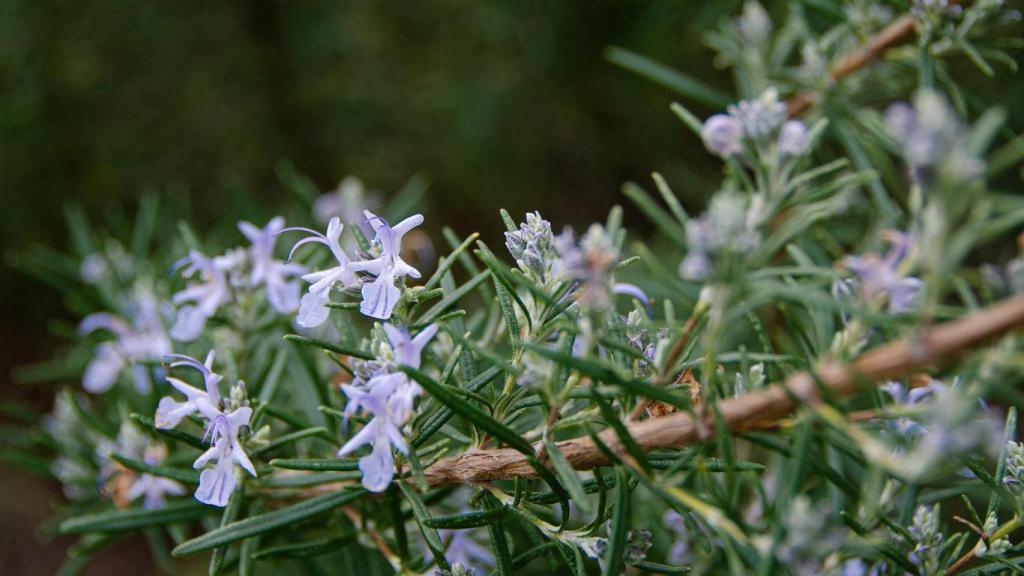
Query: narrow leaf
column 268, row 521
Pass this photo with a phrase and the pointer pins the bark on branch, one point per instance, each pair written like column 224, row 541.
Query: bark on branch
column 895, row 33
column 931, row 347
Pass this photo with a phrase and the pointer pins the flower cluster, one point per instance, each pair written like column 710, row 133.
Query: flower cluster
column 532, row 246
column 217, row 279
column 933, row 141
column 927, row 536
column 222, row 427
column 384, row 264
column 387, row 395
column 728, row 229
column 139, row 340
column 885, row 278
column 753, row 126
column 153, row 489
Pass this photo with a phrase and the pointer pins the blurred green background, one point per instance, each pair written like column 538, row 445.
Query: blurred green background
column 500, row 104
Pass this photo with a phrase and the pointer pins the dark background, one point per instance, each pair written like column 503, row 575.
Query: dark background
column 500, row 104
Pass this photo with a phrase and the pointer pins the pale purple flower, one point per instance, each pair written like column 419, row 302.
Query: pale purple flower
column 347, row 202
column 142, row 339
column 93, row 269
column 313, row 310
column 462, row 549
column 932, row 138
column 199, row 302
column 679, row 553
column 589, row 263
column 381, row 295
column 383, row 432
column 282, row 294
column 910, row 397
column 793, row 138
column 388, row 396
column 130, row 442
column 408, row 349
column 722, row 135
column 634, row 291
column 169, row 412
column 882, row 277
column 217, row 483
column 152, row 488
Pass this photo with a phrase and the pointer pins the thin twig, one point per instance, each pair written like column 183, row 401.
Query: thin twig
column 670, row 361
column 896, row 359
column 895, row 33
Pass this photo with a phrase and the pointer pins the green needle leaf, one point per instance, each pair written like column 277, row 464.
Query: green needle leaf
column 618, row 535
column 135, row 518
column 317, row 464
column 268, row 521
column 306, row 549
column 328, row 346
column 185, row 475
column 474, row 519
column 422, row 516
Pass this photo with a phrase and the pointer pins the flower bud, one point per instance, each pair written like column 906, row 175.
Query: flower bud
column 722, row 135
column 793, row 138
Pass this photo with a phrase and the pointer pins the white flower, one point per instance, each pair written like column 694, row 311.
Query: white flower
column 389, row 397
column 199, row 302
column 381, row 295
column 169, row 412
column 217, row 483
column 143, row 339
column 312, row 309
column 347, row 201
column 152, row 488
column 93, row 269
column 273, row 274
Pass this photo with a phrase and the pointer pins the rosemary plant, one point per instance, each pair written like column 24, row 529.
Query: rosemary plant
column 816, row 374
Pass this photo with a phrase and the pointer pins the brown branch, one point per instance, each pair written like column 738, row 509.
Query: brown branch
column 896, row 359
column 895, row 33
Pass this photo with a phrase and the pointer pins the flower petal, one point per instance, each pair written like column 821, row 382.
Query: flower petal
column 102, row 371
column 379, row 297
column 378, row 467
column 283, row 296
column 312, row 311
column 169, row 412
column 189, row 324
column 239, row 456
column 216, row 484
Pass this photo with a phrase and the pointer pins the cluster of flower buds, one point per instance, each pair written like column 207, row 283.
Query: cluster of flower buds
column 533, row 248
column 729, row 227
column 927, row 537
column 753, row 125
column 933, row 141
